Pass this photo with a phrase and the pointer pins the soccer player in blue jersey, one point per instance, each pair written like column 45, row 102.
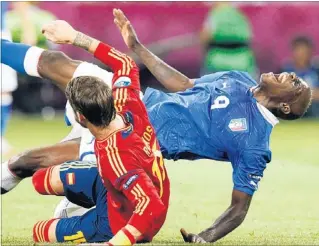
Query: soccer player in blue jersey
column 224, row 116
column 229, row 114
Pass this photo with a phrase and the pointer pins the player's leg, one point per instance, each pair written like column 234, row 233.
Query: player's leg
column 82, row 185
column 79, row 229
column 54, row 65
column 27, row 163
column 38, row 62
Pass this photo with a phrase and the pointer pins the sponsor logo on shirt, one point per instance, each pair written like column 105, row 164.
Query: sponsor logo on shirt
column 122, row 82
column 238, row 125
column 130, row 181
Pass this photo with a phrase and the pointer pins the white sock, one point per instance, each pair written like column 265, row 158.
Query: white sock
column 31, row 61
column 8, row 179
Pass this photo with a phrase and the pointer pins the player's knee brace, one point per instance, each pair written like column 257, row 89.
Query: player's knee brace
column 41, row 231
column 41, row 180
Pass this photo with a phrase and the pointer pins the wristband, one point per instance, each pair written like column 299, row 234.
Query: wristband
column 129, row 235
column 123, row 237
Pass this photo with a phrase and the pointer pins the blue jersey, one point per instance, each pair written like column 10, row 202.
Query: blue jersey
column 217, row 119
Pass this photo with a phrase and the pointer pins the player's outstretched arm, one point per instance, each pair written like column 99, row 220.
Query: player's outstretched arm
column 230, row 219
column 169, row 77
column 37, row 62
column 61, row 32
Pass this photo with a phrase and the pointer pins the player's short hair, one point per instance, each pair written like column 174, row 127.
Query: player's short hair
column 91, row 97
column 301, row 40
column 299, row 107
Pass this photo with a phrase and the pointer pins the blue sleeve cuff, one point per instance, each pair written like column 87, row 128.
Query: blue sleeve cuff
column 245, row 190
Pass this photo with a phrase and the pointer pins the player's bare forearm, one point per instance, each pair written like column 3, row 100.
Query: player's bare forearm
column 165, row 74
column 57, row 66
column 169, row 77
column 27, row 163
column 86, row 42
column 230, row 219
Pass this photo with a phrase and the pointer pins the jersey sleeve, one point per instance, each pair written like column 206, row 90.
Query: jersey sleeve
column 125, row 82
column 127, row 176
column 248, row 170
column 126, row 73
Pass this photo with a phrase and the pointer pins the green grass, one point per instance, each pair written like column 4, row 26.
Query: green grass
column 284, row 211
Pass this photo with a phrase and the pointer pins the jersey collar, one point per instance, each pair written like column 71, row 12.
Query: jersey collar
column 269, row 116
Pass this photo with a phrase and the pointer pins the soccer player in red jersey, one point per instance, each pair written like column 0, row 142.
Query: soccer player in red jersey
column 129, row 159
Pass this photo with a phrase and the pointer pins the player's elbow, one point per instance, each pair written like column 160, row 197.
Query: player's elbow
column 159, row 214
column 160, row 210
column 49, row 57
column 57, row 66
column 239, row 214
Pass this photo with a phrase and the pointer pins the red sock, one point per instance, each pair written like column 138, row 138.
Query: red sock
column 41, row 181
column 41, row 231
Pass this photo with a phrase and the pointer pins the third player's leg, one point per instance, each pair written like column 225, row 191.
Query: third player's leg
column 47, row 181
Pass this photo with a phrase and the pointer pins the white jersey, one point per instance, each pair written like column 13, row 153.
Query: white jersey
column 87, row 139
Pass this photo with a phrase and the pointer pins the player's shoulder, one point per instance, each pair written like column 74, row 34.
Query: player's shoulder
column 250, row 126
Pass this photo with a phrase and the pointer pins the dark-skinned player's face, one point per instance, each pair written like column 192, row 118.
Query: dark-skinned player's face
column 283, row 87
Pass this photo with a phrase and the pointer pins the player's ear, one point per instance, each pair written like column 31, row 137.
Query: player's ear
column 284, row 107
column 80, row 117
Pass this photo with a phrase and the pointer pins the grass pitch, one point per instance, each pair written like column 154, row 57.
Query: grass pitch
column 284, row 211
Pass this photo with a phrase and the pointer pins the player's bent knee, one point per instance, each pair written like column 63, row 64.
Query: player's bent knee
column 44, row 231
column 47, row 181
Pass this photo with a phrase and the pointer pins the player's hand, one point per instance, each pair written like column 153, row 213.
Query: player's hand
column 126, row 29
column 59, row 32
column 191, row 238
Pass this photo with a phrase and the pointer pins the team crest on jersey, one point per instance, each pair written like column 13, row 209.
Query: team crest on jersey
column 238, row 125
column 122, row 82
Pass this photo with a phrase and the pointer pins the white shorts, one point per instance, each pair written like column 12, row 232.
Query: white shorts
column 9, row 81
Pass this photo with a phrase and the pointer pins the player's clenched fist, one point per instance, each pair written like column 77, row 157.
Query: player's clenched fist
column 59, row 32
column 126, row 29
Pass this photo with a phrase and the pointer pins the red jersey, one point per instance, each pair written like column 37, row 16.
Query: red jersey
column 129, row 161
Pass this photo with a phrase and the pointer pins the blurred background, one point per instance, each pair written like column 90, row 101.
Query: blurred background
column 196, row 38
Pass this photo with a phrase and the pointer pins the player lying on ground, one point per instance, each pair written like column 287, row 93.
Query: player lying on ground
column 129, row 161
column 223, row 116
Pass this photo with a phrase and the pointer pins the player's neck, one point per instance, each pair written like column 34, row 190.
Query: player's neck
column 102, row 133
column 262, row 97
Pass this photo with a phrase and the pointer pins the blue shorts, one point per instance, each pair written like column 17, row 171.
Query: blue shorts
column 83, row 186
